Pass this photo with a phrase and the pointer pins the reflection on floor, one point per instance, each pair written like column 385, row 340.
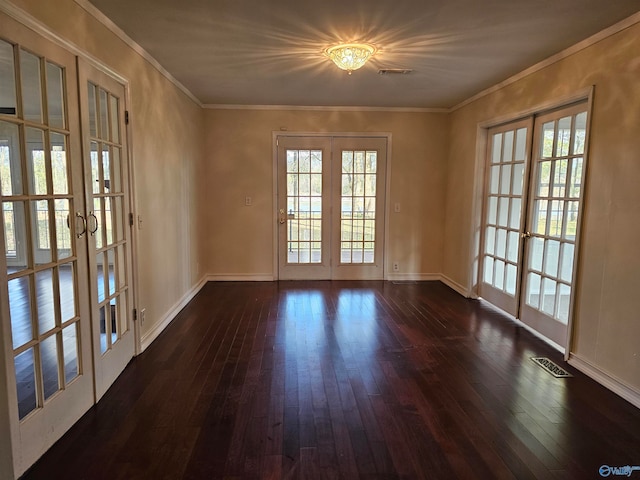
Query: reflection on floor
column 352, row 380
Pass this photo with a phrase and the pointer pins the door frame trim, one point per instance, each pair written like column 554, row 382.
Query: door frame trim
column 274, row 197
column 477, row 201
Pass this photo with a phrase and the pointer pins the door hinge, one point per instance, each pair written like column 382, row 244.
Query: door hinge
column 131, row 219
column 135, row 314
column 126, row 117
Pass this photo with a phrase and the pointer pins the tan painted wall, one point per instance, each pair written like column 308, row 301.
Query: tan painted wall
column 239, row 160
column 607, row 327
column 167, row 132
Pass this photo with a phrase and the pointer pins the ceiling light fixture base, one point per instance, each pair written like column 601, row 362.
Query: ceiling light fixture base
column 350, row 56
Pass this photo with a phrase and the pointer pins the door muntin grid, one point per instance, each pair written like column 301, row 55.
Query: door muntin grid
column 504, row 207
column 304, row 214
column 558, row 176
column 37, row 198
column 106, row 219
column 358, row 206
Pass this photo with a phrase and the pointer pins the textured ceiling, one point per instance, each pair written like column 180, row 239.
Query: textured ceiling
column 261, row 52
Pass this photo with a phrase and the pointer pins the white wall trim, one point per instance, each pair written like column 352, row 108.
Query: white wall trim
column 567, row 52
column 241, row 277
column 118, row 32
column 461, row 289
column 148, row 338
column 412, row 277
column 328, row 108
column 614, row 384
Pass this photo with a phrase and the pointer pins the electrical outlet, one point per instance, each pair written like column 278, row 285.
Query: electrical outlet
column 396, row 267
column 248, row 201
column 142, row 315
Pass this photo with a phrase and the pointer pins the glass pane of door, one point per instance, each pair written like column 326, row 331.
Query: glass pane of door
column 304, row 206
column 507, row 158
column 358, row 206
column 557, row 179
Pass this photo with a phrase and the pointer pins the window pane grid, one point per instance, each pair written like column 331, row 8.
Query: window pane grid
column 108, row 220
column 304, row 206
column 358, row 206
column 504, row 209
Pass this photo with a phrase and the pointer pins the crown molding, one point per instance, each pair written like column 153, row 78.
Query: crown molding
column 15, row 12
column 118, row 32
column 567, row 52
column 212, row 106
column 40, row 28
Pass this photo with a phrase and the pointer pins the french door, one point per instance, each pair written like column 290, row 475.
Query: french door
column 331, row 207
column 533, row 195
column 45, row 312
column 508, row 159
column 108, row 226
column 553, row 221
column 65, row 276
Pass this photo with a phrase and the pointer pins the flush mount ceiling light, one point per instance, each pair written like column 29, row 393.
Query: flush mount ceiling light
column 350, row 56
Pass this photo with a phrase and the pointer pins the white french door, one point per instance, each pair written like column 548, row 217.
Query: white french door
column 331, row 199
column 304, row 214
column 508, row 158
column 108, row 227
column 65, row 277
column 44, row 301
column 533, row 194
column 553, row 221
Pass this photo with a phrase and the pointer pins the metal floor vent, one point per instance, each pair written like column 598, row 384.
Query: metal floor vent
column 551, row 367
column 404, row 282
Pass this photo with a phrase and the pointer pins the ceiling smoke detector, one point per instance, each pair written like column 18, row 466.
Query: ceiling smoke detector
column 395, row 71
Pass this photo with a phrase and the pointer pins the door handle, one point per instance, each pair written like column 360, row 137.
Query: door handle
column 84, row 224
column 525, row 235
column 95, row 222
column 282, row 217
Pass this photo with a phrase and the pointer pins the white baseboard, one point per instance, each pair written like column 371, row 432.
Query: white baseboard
column 412, row 277
column 241, row 277
column 617, row 386
column 159, row 327
column 462, row 290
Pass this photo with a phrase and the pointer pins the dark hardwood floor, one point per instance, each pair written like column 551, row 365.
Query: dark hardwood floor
column 370, row 380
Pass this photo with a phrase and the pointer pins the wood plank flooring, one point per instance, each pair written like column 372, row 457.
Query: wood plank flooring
column 368, row 380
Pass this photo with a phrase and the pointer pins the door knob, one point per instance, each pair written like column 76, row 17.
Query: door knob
column 525, row 235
